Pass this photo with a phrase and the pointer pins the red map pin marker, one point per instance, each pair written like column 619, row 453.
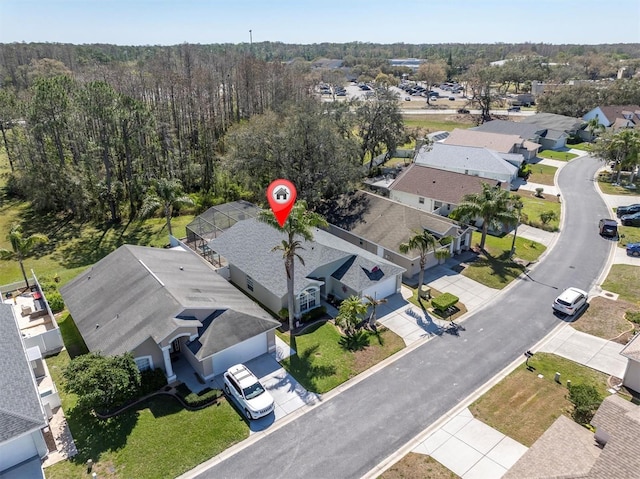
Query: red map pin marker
column 281, row 195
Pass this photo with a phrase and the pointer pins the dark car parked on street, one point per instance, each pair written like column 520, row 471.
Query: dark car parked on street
column 628, row 210
column 631, row 220
column 608, row 227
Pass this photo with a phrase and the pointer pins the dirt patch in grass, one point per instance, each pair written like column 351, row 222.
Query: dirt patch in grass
column 418, row 465
column 382, row 344
column 605, row 318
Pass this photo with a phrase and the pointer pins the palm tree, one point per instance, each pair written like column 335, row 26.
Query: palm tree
column 298, row 225
column 517, row 204
column 22, row 246
column 594, row 126
column 626, row 145
column 493, row 205
column 374, row 303
column 423, row 242
column 351, row 310
column 166, row 193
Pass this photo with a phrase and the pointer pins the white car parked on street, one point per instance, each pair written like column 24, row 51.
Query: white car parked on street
column 570, row 301
column 251, row 396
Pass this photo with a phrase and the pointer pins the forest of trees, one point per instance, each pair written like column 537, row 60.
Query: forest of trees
column 89, row 128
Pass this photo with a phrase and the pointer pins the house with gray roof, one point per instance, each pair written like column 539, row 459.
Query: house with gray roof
column 502, row 143
column 544, row 130
column 434, row 190
column 332, row 266
column 160, row 304
column 556, row 129
column 22, row 416
column 468, row 160
column 379, row 225
column 569, row 451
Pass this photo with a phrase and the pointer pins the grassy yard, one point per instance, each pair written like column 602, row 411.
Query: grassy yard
column 605, row 318
column 523, row 406
column 605, row 182
column 72, row 245
column 418, row 465
column 542, row 174
column 496, row 270
column 398, row 161
column 321, row 363
column 433, row 123
column 584, row 146
column 150, row 433
column 533, row 206
column 624, row 280
column 462, row 309
column 628, row 234
column 557, row 155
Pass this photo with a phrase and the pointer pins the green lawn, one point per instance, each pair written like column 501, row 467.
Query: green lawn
column 628, row 234
column 321, row 363
column 496, row 270
column 584, row 146
column 398, row 161
column 73, row 246
column 153, row 432
column 557, row 155
column 432, row 123
column 533, row 206
column 624, row 279
column 606, row 178
column 543, row 174
column 523, row 406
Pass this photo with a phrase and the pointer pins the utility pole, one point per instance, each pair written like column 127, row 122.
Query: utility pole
column 250, row 39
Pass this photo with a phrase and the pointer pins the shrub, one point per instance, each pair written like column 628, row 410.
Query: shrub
column 586, row 400
column 151, row 381
column 539, row 191
column 204, row 397
column 283, row 314
column 446, row 240
column 547, row 216
column 444, row 301
column 632, row 316
column 314, row 314
column 442, row 254
column 56, row 303
column 524, row 171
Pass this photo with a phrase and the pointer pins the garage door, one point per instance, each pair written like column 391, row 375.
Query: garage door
column 383, row 289
column 240, row 353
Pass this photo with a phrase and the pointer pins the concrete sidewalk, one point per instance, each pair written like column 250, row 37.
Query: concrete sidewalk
column 471, row 449
column 536, row 234
column 591, row 351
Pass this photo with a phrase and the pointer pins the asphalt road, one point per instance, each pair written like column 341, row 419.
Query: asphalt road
column 352, row 432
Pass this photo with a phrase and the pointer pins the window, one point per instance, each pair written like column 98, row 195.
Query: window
column 437, row 205
column 249, row 283
column 308, row 299
column 144, row 363
column 421, row 200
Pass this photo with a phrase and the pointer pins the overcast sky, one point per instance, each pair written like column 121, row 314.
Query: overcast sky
column 165, row 22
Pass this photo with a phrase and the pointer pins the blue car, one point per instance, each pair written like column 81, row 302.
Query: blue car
column 633, row 249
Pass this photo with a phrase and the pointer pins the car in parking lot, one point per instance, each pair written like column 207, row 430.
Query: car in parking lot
column 463, row 110
column 628, row 210
column 513, row 109
column 452, row 98
column 633, row 249
column 631, row 220
column 245, row 388
column 570, row 301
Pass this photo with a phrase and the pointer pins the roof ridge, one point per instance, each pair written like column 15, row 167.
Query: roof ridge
column 19, row 416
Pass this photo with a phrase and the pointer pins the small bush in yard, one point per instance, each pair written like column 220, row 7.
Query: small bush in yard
column 152, row 380
column 314, row 314
column 444, row 301
column 56, row 303
column 205, row 396
column 586, row 400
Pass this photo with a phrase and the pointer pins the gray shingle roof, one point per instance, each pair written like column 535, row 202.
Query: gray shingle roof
column 248, row 245
column 552, row 121
column 525, row 130
column 460, row 158
column 384, row 221
column 136, row 292
column 495, row 141
column 20, row 408
column 224, row 329
column 632, row 349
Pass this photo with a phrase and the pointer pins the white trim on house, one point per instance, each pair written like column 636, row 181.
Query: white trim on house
column 311, row 295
